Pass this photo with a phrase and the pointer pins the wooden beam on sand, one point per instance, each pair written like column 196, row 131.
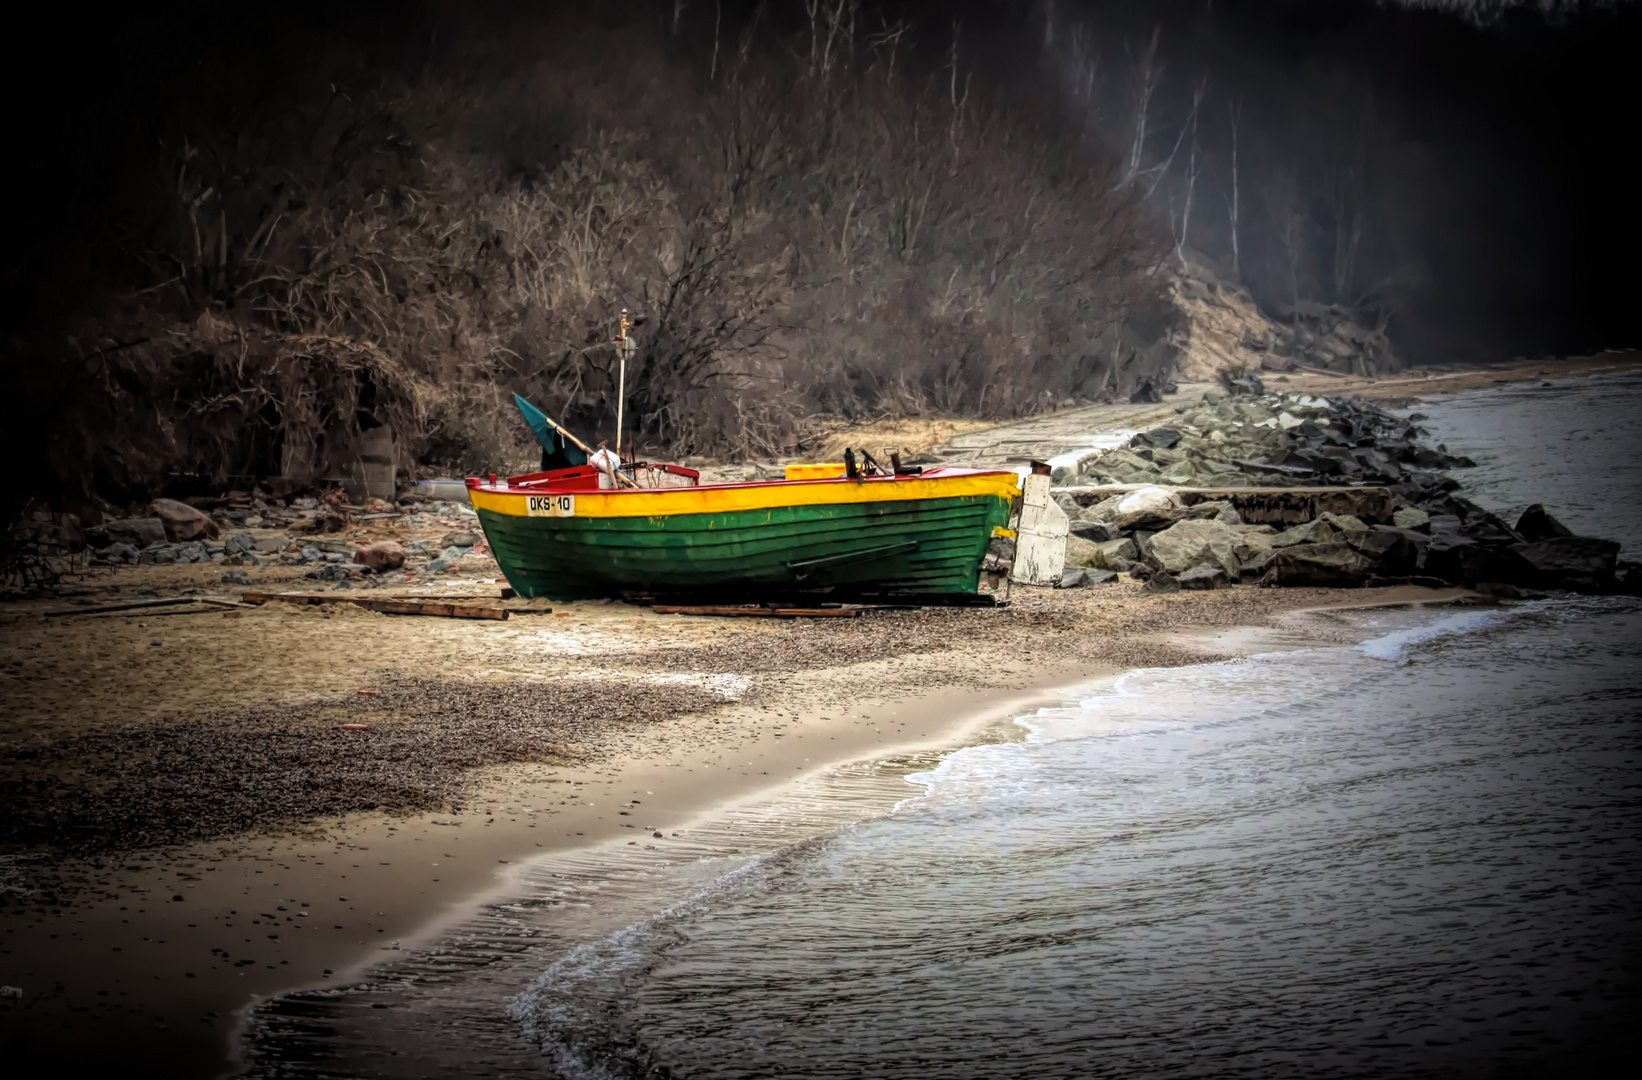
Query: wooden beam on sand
column 758, row 612
column 386, row 606
column 133, row 605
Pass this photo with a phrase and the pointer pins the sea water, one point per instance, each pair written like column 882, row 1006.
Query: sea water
column 1574, row 445
column 1406, row 847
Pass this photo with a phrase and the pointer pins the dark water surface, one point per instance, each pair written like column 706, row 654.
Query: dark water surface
column 1415, row 855
column 1574, row 445
column 1405, row 843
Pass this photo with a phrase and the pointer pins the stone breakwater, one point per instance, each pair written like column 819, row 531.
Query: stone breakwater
column 1290, row 489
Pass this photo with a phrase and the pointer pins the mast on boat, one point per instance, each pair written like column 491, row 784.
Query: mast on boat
column 625, row 346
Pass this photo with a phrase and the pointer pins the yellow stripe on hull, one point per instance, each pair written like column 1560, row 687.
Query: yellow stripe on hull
column 666, row 502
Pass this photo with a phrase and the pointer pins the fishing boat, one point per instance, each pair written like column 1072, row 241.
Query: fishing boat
column 839, row 529
column 558, row 535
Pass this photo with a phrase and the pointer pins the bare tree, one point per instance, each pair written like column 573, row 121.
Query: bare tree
column 957, row 101
column 1234, row 112
column 718, row 15
column 1191, row 172
column 1345, row 203
column 1148, row 73
column 832, row 30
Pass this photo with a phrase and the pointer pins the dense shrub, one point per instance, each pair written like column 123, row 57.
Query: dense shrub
column 835, row 230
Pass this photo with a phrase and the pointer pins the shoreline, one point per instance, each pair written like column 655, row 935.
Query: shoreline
column 284, row 905
column 1416, row 383
column 112, row 967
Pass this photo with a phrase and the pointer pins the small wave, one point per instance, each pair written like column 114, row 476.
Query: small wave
column 1394, row 646
column 567, row 1010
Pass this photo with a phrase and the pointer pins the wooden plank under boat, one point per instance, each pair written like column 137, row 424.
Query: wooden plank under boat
column 558, row 536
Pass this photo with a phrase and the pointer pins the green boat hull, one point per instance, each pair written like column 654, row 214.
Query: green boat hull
column 909, row 547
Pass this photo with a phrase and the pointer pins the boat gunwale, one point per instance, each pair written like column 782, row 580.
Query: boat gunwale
column 506, row 487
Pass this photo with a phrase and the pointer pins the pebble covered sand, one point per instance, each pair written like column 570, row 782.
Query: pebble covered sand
column 85, row 783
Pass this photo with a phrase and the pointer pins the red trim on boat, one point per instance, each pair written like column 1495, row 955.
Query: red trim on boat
column 586, row 478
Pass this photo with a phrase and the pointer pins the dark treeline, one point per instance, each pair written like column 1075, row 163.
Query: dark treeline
column 238, row 237
column 268, row 232
column 1463, row 181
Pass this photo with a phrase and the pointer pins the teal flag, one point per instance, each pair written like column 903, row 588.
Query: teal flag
column 538, row 423
column 557, row 451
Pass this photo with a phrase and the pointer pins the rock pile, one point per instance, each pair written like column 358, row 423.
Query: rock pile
column 1285, row 489
column 1247, row 437
column 243, row 530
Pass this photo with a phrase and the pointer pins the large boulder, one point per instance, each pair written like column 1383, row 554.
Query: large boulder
column 1148, row 508
column 138, row 532
column 1163, row 438
column 1346, row 523
column 1145, row 393
column 1628, row 579
column 1120, row 460
column 1581, row 563
column 1103, row 512
column 380, row 557
column 1117, row 554
column 182, row 522
column 1150, row 519
column 1097, row 531
column 1411, row 517
column 1147, row 498
column 1211, row 508
column 1180, row 474
column 1207, row 576
column 1488, row 529
column 1107, row 555
column 1256, row 540
column 1399, row 552
column 1161, row 582
column 117, row 554
column 1073, row 577
column 1190, row 543
column 1327, row 528
column 1318, row 564
column 1536, row 524
column 1081, row 552
column 1447, row 555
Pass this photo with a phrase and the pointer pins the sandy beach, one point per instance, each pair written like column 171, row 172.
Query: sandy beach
column 690, row 714
column 192, row 827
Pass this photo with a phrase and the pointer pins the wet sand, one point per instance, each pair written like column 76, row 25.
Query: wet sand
column 162, row 977
column 115, row 968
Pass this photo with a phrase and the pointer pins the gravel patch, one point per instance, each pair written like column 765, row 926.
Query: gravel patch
column 228, row 771
column 191, row 776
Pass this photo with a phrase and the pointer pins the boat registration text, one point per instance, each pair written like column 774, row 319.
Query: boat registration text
column 551, row 505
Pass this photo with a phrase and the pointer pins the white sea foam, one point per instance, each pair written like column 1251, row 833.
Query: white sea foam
column 1394, row 646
